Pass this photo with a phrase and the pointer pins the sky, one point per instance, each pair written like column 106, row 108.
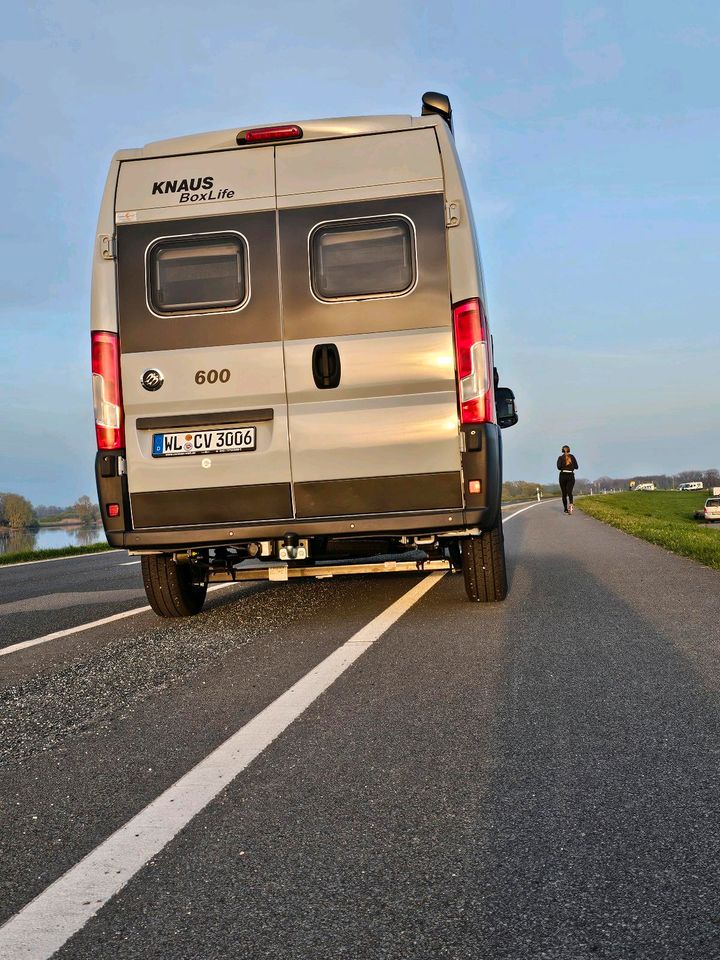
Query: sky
column 590, row 139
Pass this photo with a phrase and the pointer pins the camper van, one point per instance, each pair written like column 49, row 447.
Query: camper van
column 692, row 485
column 292, row 367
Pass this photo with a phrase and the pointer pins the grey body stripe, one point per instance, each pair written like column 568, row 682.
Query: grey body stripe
column 182, row 420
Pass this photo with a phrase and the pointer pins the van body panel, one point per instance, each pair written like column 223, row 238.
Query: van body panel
column 103, row 296
column 224, row 176
column 321, row 129
column 464, row 264
column 217, row 208
column 257, row 321
column 378, row 191
column 405, row 493
column 357, row 162
column 203, row 505
column 426, row 305
column 394, row 411
column 256, row 383
column 479, row 513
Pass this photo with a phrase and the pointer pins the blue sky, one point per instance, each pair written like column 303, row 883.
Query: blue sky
column 590, row 135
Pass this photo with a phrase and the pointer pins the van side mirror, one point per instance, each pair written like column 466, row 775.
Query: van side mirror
column 505, row 407
column 437, row 103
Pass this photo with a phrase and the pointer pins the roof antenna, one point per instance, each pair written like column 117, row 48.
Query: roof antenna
column 438, row 103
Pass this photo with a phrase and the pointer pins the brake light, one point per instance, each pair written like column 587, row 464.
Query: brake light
column 286, row 131
column 474, row 363
column 107, row 398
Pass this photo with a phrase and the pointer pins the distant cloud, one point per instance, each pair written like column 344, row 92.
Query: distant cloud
column 699, row 37
column 594, row 60
column 492, row 210
column 518, row 102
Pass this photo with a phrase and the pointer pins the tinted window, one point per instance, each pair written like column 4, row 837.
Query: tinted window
column 197, row 274
column 362, row 258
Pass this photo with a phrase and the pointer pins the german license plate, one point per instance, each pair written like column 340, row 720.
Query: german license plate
column 189, row 442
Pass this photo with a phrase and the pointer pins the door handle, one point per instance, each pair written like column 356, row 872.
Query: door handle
column 326, row 366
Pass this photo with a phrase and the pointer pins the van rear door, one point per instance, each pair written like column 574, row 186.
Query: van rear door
column 200, row 337
column 372, row 402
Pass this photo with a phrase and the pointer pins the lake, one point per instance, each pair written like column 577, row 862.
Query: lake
column 49, row 538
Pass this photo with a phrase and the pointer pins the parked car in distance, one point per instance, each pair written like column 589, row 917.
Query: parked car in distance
column 711, row 510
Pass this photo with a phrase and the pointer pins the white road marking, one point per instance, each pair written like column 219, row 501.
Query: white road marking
column 88, row 626
column 71, row 598
column 15, row 647
column 63, row 908
column 129, row 563
column 73, row 556
column 536, row 504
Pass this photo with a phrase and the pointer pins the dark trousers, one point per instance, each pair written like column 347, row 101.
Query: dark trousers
column 567, row 482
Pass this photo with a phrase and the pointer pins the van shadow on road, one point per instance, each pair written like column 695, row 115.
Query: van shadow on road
column 599, row 825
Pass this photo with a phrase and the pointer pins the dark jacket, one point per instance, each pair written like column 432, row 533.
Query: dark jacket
column 561, row 466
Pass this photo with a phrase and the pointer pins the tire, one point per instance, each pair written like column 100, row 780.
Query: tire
column 483, row 561
column 170, row 587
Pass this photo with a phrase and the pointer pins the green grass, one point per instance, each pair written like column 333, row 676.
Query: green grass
column 25, row 556
column 663, row 517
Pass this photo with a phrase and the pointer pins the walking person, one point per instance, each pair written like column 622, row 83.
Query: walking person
column 567, row 465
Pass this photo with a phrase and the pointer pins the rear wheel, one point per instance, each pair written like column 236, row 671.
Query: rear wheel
column 483, row 562
column 173, row 589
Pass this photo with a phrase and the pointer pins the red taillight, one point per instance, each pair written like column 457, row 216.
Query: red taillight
column 107, row 398
column 474, row 363
column 287, row 131
column 113, row 509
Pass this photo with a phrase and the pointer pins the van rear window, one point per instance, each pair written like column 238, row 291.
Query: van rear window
column 197, row 274
column 362, row 258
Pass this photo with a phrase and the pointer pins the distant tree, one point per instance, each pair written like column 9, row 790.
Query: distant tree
column 711, row 478
column 87, row 511
column 45, row 510
column 17, row 511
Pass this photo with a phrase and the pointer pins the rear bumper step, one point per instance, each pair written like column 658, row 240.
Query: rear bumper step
column 215, row 536
column 281, row 571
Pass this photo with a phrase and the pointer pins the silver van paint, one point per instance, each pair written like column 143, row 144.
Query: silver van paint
column 357, row 162
column 251, row 176
column 381, row 452
column 257, row 381
column 394, row 412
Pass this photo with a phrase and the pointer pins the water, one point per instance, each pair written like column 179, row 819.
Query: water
column 49, row 538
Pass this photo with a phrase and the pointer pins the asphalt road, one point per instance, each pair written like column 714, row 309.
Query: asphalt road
column 533, row 779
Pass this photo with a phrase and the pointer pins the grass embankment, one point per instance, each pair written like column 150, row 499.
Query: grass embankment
column 664, row 517
column 25, row 556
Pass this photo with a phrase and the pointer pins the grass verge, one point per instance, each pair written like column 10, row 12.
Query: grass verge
column 663, row 517
column 25, row 556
